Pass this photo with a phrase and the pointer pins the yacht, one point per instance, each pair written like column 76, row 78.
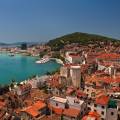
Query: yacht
column 43, row 60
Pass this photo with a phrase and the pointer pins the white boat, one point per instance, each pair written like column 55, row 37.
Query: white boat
column 43, row 60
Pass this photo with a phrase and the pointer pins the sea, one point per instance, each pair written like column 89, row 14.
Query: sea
column 20, row 68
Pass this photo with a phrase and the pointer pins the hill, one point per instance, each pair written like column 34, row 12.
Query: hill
column 78, row 37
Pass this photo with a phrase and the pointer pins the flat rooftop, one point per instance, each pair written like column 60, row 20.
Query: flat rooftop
column 59, row 99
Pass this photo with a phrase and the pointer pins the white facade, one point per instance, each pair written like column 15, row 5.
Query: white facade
column 101, row 67
column 104, row 112
column 90, row 91
column 73, row 58
column 73, row 102
column 35, row 82
column 101, row 109
column 24, row 90
column 77, row 104
column 58, row 102
column 112, row 114
column 68, row 57
column 64, row 71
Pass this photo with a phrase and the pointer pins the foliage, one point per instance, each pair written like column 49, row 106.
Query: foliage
column 42, row 54
column 77, row 37
column 45, row 89
column 57, row 55
column 4, row 89
column 62, row 117
column 112, row 104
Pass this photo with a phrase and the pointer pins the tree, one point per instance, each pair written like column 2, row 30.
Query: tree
column 62, row 117
column 82, row 82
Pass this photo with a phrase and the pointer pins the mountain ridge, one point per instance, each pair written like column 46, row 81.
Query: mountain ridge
column 79, row 37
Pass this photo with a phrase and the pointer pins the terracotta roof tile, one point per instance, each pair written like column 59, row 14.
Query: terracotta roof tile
column 71, row 112
column 102, row 100
column 92, row 116
column 34, row 109
column 57, row 110
column 109, row 56
column 2, row 104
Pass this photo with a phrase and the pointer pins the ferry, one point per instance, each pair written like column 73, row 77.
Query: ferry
column 43, row 60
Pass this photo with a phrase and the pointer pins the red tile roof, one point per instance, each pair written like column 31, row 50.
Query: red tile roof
column 116, row 89
column 70, row 90
column 109, row 56
column 71, row 64
column 91, row 115
column 54, row 82
column 102, row 100
column 2, row 113
column 111, row 80
column 2, row 104
column 34, row 109
column 57, row 110
column 71, row 112
column 80, row 93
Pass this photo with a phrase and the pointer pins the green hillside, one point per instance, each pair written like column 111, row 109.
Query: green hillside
column 77, row 37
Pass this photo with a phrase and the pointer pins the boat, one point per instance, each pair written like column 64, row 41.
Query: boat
column 43, row 60
column 12, row 54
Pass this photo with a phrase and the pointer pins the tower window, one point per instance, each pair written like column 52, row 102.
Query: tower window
column 95, row 111
column 112, row 113
column 88, row 103
column 95, row 105
column 56, row 104
column 103, row 107
column 102, row 113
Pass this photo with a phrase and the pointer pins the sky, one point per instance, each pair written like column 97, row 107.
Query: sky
column 43, row 20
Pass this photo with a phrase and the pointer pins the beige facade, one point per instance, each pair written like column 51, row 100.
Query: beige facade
column 75, row 76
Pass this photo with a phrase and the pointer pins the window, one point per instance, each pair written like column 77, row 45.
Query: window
column 87, row 90
column 102, row 118
column 89, row 108
column 102, row 113
column 81, row 113
column 95, row 105
column 95, row 110
column 103, row 107
column 56, row 104
column 112, row 113
column 88, row 103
